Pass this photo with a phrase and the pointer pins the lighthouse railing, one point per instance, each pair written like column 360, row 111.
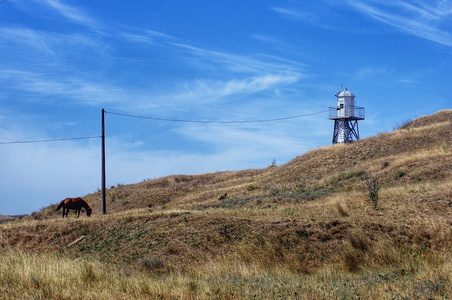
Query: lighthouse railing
column 347, row 112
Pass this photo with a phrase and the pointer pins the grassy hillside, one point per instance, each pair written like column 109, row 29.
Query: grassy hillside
column 304, row 229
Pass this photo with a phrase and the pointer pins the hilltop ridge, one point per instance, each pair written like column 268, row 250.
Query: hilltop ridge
column 420, row 149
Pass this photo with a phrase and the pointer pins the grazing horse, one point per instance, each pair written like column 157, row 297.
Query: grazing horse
column 75, row 204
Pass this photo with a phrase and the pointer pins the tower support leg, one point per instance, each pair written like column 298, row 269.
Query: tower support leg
column 345, row 131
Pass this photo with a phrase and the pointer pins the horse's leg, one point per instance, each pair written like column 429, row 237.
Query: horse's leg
column 63, row 212
column 78, row 212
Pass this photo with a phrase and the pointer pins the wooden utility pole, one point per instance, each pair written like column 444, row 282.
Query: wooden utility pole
column 104, row 206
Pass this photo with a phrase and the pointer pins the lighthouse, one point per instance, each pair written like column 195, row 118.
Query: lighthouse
column 346, row 116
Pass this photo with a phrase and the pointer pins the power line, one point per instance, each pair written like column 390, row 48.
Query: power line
column 164, row 119
column 215, row 122
column 50, row 140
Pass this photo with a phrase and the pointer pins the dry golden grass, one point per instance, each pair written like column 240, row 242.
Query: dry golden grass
column 52, row 276
column 303, row 230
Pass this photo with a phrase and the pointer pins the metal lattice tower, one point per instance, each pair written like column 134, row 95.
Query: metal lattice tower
column 345, row 116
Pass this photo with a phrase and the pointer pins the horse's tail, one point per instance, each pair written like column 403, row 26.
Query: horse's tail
column 60, row 205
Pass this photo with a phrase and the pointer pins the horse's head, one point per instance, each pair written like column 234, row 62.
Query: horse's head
column 89, row 211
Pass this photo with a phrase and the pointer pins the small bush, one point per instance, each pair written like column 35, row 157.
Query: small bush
column 252, row 187
column 373, row 187
column 289, row 211
column 399, row 174
column 273, row 162
column 225, row 231
column 151, row 264
column 274, row 191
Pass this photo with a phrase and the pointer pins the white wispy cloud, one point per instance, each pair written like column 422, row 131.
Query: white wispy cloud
column 266, row 39
column 46, row 45
column 241, row 74
column 42, row 86
column 370, row 72
column 235, row 63
column 263, row 138
column 147, row 36
column 408, row 81
column 72, row 13
column 57, row 10
column 318, row 13
column 257, row 84
column 429, row 21
column 26, row 38
column 209, row 90
column 290, row 13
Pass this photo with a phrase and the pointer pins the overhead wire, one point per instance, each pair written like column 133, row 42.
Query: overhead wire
column 163, row 119
column 214, row 122
column 50, row 140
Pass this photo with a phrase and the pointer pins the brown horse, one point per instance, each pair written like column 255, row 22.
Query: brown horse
column 75, row 204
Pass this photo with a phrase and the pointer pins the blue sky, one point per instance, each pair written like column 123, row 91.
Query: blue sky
column 62, row 62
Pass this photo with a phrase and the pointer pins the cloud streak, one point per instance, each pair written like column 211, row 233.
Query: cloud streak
column 237, row 63
column 26, row 38
column 42, row 86
column 71, row 14
column 427, row 21
column 241, row 75
column 208, row 91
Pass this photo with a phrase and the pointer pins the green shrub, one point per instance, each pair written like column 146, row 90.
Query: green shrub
column 252, row 187
column 399, row 174
column 373, row 187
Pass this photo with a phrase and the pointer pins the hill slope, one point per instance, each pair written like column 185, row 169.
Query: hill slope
column 414, row 154
column 301, row 217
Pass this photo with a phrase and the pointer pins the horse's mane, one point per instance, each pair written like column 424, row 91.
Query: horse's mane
column 84, row 203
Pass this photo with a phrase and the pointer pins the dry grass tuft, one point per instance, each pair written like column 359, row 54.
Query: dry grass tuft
column 359, row 241
column 151, row 264
column 341, row 208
